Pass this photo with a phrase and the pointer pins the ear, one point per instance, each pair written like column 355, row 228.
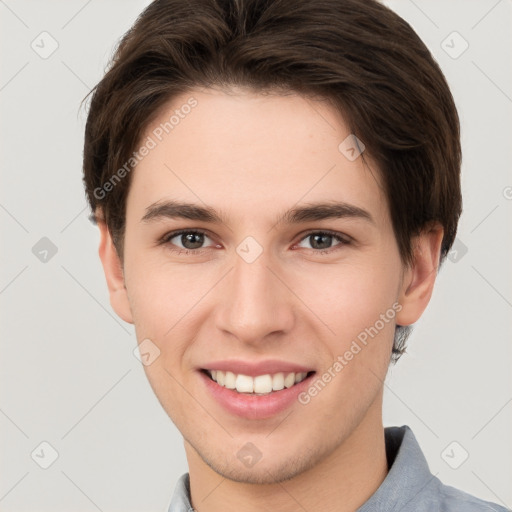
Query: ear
column 114, row 274
column 418, row 279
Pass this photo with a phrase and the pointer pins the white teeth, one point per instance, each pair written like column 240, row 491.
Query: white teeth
column 289, row 380
column 230, row 380
column 278, row 381
column 300, row 376
column 244, row 384
column 261, row 384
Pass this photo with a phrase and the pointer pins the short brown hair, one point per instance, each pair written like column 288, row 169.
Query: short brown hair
column 359, row 55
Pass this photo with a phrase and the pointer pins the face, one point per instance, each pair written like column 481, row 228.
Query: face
column 282, row 276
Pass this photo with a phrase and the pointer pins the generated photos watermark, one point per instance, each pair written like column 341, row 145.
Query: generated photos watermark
column 151, row 142
column 343, row 360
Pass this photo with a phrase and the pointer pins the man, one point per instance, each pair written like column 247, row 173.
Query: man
column 276, row 184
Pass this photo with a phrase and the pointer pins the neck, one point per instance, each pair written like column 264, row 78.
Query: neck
column 341, row 482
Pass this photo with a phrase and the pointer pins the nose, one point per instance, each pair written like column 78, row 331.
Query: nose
column 254, row 302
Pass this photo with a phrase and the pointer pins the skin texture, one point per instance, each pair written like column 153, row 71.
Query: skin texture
column 252, row 157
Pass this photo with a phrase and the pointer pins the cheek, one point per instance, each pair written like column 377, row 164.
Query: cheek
column 349, row 298
column 358, row 305
column 165, row 300
column 164, row 303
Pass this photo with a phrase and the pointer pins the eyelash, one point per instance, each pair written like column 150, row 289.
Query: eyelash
column 343, row 239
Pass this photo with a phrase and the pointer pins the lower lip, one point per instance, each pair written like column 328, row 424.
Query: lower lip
column 254, row 406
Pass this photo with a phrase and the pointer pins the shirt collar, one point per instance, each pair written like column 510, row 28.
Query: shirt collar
column 181, row 498
column 407, row 477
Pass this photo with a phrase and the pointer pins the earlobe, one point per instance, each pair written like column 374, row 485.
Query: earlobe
column 419, row 279
column 113, row 274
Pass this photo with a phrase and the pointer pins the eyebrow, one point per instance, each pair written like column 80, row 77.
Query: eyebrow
column 309, row 212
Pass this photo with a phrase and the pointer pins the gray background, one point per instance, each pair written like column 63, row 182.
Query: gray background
column 68, row 373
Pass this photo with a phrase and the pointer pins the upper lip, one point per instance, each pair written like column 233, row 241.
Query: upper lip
column 252, row 368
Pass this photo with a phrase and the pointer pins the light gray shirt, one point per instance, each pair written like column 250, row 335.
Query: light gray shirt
column 409, row 485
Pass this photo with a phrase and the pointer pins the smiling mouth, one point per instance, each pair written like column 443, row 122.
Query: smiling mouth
column 259, row 385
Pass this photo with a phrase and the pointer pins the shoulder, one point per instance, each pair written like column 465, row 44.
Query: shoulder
column 411, row 486
column 445, row 498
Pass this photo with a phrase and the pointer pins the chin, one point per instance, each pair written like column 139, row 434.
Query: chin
column 262, row 475
column 279, row 468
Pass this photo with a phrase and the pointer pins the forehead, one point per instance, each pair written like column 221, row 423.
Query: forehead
column 250, row 152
